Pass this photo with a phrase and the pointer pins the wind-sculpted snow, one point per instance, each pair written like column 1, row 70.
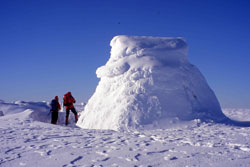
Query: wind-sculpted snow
column 240, row 114
column 20, row 106
column 235, row 118
column 38, row 111
column 148, row 81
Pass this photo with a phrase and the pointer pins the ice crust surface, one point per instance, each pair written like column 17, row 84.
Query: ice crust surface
column 148, row 82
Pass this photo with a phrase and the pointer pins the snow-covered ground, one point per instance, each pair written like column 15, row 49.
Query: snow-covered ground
column 28, row 139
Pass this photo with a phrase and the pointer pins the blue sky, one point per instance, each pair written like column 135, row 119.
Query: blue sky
column 49, row 47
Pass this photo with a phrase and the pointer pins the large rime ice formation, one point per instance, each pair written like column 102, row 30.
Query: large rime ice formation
column 148, row 81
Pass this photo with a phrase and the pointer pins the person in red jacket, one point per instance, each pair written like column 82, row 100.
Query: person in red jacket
column 68, row 101
column 55, row 107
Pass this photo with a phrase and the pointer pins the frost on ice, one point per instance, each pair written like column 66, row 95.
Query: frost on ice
column 148, row 81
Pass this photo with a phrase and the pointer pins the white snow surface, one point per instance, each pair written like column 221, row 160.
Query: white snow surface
column 29, row 142
column 38, row 111
column 148, row 83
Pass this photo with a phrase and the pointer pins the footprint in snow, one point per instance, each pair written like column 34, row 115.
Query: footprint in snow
column 49, row 152
column 156, row 152
column 137, row 156
column 75, row 160
column 105, row 159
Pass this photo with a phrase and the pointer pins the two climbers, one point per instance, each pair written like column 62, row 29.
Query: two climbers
column 68, row 101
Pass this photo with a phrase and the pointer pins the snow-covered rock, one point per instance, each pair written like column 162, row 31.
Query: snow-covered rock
column 148, row 81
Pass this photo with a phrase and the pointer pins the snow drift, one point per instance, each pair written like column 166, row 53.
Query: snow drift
column 146, row 82
column 20, row 106
column 37, row 111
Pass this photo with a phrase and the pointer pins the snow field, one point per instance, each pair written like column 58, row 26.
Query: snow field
column 25, row 142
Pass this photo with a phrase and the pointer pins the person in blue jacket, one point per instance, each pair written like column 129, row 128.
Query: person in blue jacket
column 55, row 107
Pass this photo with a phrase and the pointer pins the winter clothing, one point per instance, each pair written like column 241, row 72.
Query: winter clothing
column 75, row 113
column 55, row 107
column 66, row 120
column 54, row 117
column 68, row 101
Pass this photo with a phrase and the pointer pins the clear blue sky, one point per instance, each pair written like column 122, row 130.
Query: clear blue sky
column 49, row 47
